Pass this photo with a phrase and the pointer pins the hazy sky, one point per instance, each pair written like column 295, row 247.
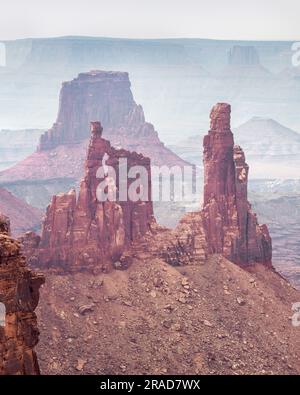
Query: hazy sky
column 224, row 19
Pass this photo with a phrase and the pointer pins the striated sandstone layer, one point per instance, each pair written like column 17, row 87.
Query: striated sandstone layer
column 226, row 225
column 19, row 293
column 86, row 233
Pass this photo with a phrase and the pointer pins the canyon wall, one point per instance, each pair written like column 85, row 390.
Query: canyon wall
column 87, row 233
column 19, row 294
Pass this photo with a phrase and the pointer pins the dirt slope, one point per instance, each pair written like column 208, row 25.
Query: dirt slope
column 23, row 217
column 212, row 318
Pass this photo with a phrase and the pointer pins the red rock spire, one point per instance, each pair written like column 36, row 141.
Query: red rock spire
column 219, row 174
column 230, row 225
column 96, row 128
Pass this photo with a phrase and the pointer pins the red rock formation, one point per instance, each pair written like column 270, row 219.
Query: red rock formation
column 95, row 95
column 107, row 96
column 244, row 62
column 89, row 234
column 19, row 293
column 58, row 164
column 226, row 225
column 230, row 224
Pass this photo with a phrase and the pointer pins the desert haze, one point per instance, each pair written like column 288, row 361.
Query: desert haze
column 149, row 191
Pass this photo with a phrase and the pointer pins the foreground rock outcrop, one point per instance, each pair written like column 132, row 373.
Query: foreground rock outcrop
column 90, row 234
column 19, row 294
column 226, row 225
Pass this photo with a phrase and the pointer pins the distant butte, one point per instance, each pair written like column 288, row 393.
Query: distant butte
column 58, row 163
column 105, row 95
column 23, row 217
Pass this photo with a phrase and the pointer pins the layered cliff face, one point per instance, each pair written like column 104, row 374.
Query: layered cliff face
column 19, row 296
column 88, row 233
column 226, row 225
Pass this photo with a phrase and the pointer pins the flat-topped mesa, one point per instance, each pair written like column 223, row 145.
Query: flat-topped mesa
column 230, row 225
column 90, row 233
column 19, row 296
column 94, row 95
column 104, row 95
